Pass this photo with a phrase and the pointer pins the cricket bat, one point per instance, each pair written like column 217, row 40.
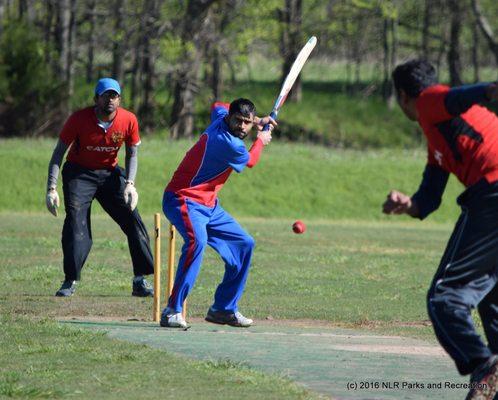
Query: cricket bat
column 291, row 77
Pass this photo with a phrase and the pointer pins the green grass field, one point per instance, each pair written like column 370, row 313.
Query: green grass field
column 352, row 268
column 367, row 275
column 292, row 181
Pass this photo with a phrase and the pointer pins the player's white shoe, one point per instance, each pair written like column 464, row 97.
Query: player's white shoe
column 170, row 319
column 228, row 318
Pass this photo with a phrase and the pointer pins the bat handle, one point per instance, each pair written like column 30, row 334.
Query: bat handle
column 273, row 114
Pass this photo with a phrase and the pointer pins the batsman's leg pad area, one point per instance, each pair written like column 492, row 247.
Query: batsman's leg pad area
column 340, row 363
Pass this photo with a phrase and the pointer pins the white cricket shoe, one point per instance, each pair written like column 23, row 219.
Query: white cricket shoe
column 170, row 319
column 228, row 318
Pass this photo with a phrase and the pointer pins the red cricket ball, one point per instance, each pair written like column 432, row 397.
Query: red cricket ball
column 298, row 227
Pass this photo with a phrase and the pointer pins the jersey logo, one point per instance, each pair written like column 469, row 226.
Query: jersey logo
column 454, row 128
column 102, row 149
column 117, row 137
column 439, row 157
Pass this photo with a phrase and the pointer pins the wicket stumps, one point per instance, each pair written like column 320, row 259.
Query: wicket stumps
column 156, row 312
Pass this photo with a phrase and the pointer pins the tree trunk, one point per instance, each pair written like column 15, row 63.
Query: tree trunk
column 292, row 43
column 454, row 63
column 391, row 102
column 91, row 40
column 485, row 28
column 386, row 59
column 475, row 52
column 118, row 41
column 63, row 33
column 216, row 76
column 2, row 15
column 425, row 29
column 193, row 39
column 71, row 55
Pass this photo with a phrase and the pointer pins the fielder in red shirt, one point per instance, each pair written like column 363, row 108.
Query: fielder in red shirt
column 94, row 136
column 462, row 139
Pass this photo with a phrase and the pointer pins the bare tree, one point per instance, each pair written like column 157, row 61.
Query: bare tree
column 119, row 41
column 91, row 39
column 485, row 28
column 475, row 52
column 197, row 19
column 425, row 28
column 291, row 18
column 454, row 62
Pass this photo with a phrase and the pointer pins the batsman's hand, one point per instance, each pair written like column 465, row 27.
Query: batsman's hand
column 397, row 203
column 130, row 195
column 265, row 137
column 261, row 122
column 52, row 201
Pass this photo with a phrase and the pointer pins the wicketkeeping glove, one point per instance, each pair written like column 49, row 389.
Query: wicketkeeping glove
column 52, row 201
column 130, row 195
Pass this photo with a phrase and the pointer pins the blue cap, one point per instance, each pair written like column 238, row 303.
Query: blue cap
column 105, row 84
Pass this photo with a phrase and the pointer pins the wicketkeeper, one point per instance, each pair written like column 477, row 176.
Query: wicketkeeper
column 94, row 136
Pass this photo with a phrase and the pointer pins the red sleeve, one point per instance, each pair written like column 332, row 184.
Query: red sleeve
column 255, row 153
column 430, row 105
column 219, row 109
column 69, row 130
column 133, row 138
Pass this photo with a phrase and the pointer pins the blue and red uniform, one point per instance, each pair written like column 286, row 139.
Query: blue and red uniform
column 190, row 203
column 462, row 139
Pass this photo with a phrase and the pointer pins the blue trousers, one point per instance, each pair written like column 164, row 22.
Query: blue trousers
column 467, row 278
column 200, row 226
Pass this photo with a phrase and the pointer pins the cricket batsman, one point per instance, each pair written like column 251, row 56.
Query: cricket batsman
column 190, row 203
column 462, row 139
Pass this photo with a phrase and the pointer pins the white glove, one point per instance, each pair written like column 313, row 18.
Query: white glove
column 130, row 195
column 52, row 201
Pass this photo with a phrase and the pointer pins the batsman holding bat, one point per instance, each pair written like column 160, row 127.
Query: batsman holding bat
column 462, row 139
column 190, row 203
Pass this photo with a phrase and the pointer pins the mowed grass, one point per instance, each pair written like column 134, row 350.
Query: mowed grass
column 43, row 359
column 366, row 275
column 353, row 267
column 291, row 180
column 347, row 273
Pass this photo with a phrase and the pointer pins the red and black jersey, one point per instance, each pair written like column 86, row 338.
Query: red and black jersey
column 94, row 147
column 465, row 144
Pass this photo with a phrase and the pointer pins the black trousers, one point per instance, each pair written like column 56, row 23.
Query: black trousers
column 81, row 186
column 467, row 278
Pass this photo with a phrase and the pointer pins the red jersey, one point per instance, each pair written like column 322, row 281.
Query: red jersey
column 92, row 146
column 466, row 144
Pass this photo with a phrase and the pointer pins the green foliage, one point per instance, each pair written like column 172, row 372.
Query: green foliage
column 28, row 87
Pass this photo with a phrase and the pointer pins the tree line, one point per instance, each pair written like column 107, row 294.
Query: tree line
column 167, row 52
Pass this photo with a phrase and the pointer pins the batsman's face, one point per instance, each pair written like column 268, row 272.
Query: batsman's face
column 108, row 102
column 240, row 125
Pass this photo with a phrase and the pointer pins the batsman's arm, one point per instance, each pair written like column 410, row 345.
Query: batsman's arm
column 430, row 192
column 255, row 153
column 55, row 163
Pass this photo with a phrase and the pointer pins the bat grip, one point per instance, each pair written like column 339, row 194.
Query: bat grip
column 273, row 114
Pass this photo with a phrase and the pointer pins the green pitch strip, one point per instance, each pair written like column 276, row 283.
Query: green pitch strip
column 343, row 364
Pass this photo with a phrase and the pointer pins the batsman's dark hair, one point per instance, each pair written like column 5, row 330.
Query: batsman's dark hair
column 414, row 76
column 242, row 106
